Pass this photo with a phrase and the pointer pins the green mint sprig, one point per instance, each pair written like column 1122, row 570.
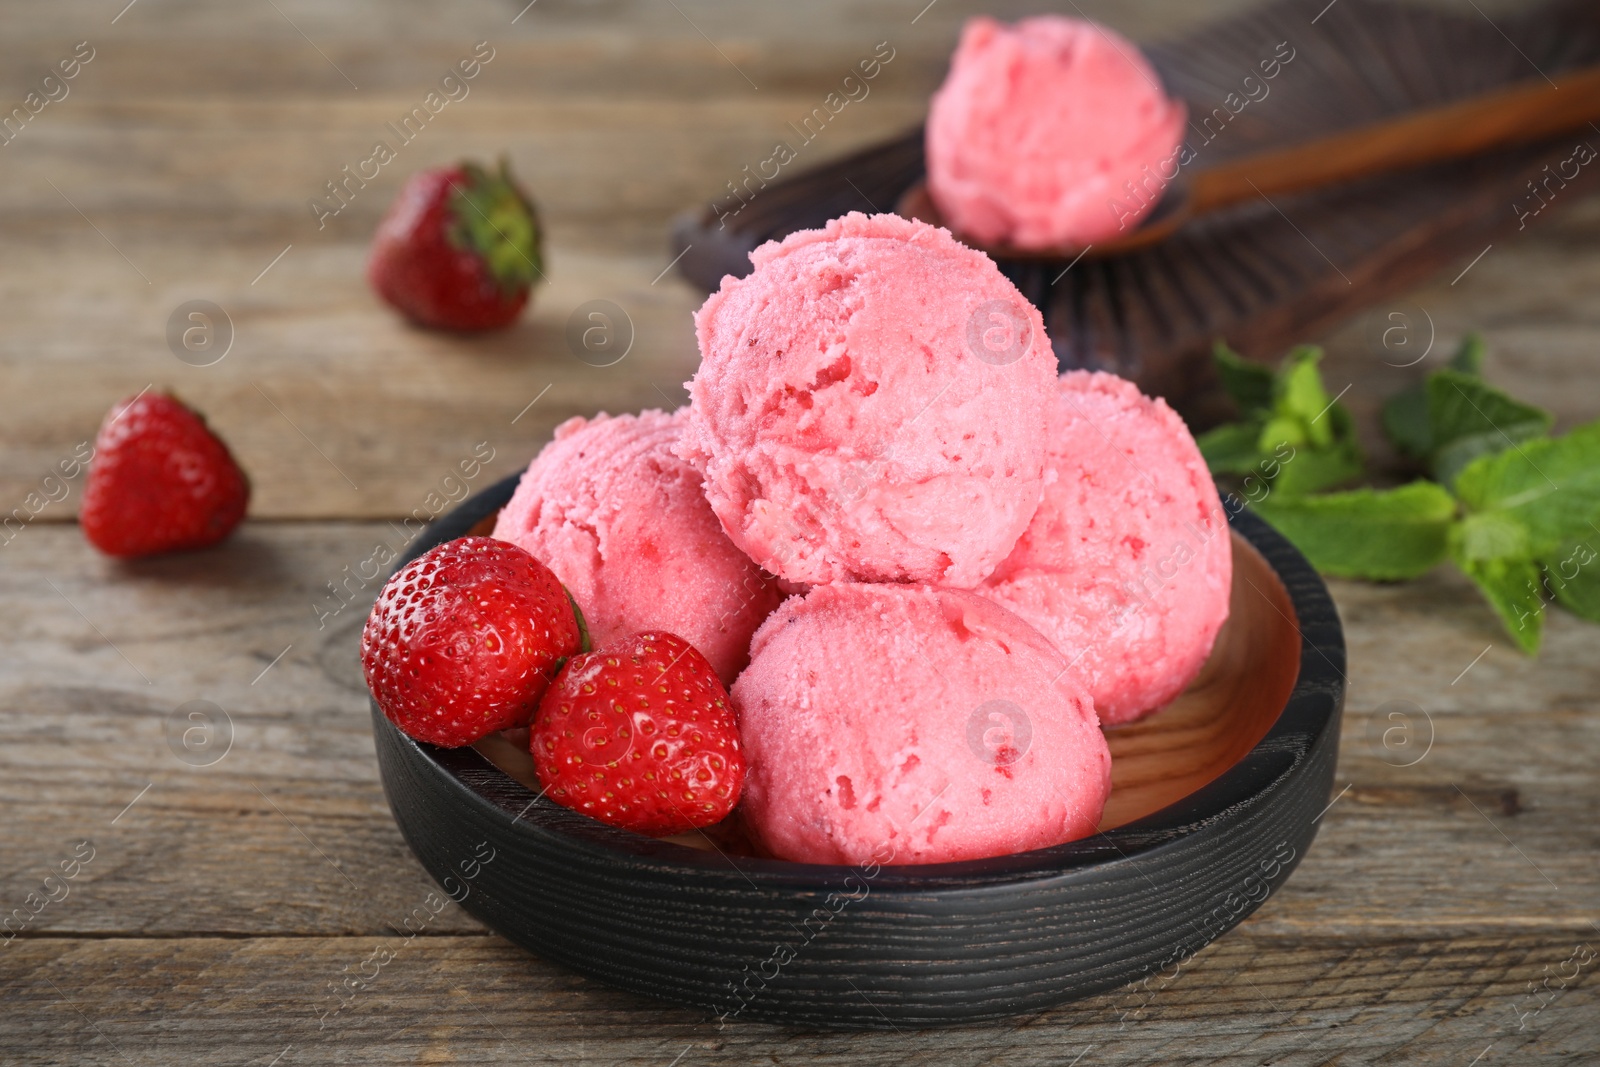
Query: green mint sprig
column 1286, row 413
column 1517, row 511
column 1454, row 416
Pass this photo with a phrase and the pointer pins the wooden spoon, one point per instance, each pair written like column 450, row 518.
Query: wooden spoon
column 1521, row 114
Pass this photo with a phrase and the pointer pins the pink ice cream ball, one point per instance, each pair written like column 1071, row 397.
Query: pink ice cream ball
column 848, row 429
column 1128, row 562
column 907, row 724
column 1040, row 126
column 622, row 521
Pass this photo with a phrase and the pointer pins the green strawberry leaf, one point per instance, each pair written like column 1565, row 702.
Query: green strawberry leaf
column 1574, row 576
column 1509, row 583
column 585, row 646
column 1469, row 418
column 492, row 216
column 1386, row 535
column 1231, row 448
column 1247, row 382
column 1551, row 486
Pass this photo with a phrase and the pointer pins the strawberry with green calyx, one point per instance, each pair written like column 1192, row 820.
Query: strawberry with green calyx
column 459, row 249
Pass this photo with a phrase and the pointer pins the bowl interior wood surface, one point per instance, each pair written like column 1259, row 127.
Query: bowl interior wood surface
column 1158, row 760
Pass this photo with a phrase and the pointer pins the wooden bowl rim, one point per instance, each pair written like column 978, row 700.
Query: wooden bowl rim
column 1311, row 707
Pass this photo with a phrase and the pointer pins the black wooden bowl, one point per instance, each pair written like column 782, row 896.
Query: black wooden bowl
column 1215, row 800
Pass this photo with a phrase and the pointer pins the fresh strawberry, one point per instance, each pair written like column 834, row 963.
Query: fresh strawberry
column 465, row 639
column 160, row 481
column 641, row 736
column 458, row 250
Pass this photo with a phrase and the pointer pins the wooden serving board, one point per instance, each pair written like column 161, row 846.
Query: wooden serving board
column 1267, row 274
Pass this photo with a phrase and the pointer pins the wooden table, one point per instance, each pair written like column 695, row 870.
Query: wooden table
column 1452, row 893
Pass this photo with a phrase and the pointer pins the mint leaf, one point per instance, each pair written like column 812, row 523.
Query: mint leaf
column 1230, row 449
column 1405, row 415
column 1405, row 422
column 1490, row 535
column 1319, row 430
column 1469, row 355
column 1469, row 418
column 1452, row 459
column 1512, row 588
column 1539, row 500
column 1282, row 430
column 1295, row 437
column 1298, row 394
column 1551, row 486
column 1247, row 382
column 1491, row 548
column 1366, row 533
column 1310, row 470
column 1574, row 576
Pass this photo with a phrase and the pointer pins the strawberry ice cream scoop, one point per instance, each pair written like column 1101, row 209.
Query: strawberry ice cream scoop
column 622, row 522
column 1127, row 564
column 1050, row 132
column 870, row 406
column 903, row 724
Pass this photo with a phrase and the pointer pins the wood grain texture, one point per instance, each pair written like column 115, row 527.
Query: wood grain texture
column 195, row 138
column 1248, row 999
column 207, row 926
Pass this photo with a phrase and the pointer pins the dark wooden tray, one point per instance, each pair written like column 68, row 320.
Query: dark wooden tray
column 1262, row 275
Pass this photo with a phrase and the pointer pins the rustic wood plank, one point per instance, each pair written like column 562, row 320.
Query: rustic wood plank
column 1249, row 999
column 386, row 403
column 202, row 181
column 196, row 160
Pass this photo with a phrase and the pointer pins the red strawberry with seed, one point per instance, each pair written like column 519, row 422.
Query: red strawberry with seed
column 459, row 249
column 160, row 481
column 464, row 640
column 640, row 735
